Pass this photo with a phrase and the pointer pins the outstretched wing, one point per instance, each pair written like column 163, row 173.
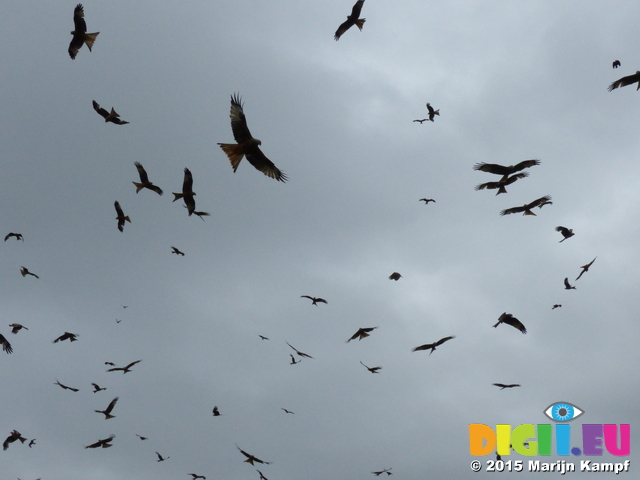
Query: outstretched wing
column 624, row 81
column 539, row 202
column 142, row 172
column 258, row 159
column 238, row 121
column 100, row 110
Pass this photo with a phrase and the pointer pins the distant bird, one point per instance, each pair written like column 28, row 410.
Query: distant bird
column 72, row 337
column 585, row 268
column 503, row 386
column 195, row 476
column 427, row 200
column 566, row 233
column 187, row 192
column 161, row 458
column 616, row 63
column 97, row 388
column 263, row 337
column 25, row 271
column 107, row 411
column 201, row 214
column 432, row 112
column 371, row 369
column 509, row 319
column 80, row 35
column 502, row 183
column 395, row 276
column 6, row 346
column 624, row 81
column 176, row 251
column 247, row 146
column 566, row 284
column 141, row 437
column 287, row 411
column 118, row 321
column 65, row 387
column 121, row 217
column 110, row 364
column 126, row 369
column 423, row 120
column 351, row 20
column 251, row 458
column 32, row 442
column 18, row 236
column 16, row 327
column 361, row 333
column 144, row 180
column 293, row 360
column 540, row 202
column 216, row 412
column 505, row 171
column 432, row 346
column 315, row 300
column 557, row 305
column 301, row 354
column 385, row 470
column 13, row 436
column 262, row 477
column 111, row 116
column 105, row 443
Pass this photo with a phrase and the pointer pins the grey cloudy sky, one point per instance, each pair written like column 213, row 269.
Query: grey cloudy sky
column 513, row 81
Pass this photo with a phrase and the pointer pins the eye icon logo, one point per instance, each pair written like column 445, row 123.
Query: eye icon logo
column 562, row 412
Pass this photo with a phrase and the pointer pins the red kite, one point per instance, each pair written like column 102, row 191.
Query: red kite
column 126, row 369
column 361, row 333
column 314, row 299
column 112, row 116
column 187, row 192
column 144, row 180
column 509, row 319
column 16, row 327
column 432, row 112
column 107, row 411
column 585, row 268
column 80, row 35
column 121, row 217
column 351, row 20
column 624, row 81
column 540, row 202
column 11, row 234
column 15, row 435
column 433, row 346
column 105, row 443
column 566, row 233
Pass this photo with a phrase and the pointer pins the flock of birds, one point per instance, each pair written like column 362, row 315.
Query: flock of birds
column 248, row 147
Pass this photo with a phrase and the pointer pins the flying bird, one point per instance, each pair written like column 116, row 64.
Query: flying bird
column 502, row 183
column 585, row 268
column 121, row 217
column 557, row 305
column 105, row 443
column 65, row 387
column 144, row 180
column 423, row 120
column 293, row 360
column 511, row 320
column 126, row 369
column 16, row 327
column 141, row 437
column 176, row 251
column 32, row 442
column 287, row 411
column 187, row 192
column 112, row 116
column 302, row 354
column 262, row 477
column 110, row 364
column 18, row 236
column 361, row 333
column 616, row 63
column 432, row 346
column 263, row 337
column 216, row 412
column 395, row 276
column 351, row 20
column 97, row 388
column 72, row 337
column 371, row 369
column 384, row 470
column 505, row 171
column 196, row 476
column 624, row 81
column 503, row 386
column 161, row 458
column 427, row 200
column 13, row 436
column 6, row 346
column 432, row 112
column 566, row 284
column 247, row 146
column 80, row 35
column 315, row 300
column 251, row 458
column 566, row 233
column 107, row 411
column 540, row 202
column 25, row 271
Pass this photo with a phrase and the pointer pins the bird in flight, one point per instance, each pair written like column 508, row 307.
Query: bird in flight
column 395, row 276
column 371, row 369
column 121, row 216
column 301, row 354
column 187, row 192
column 361, row 333
column 624, row 81
column 251, row 458
column 107, row 411
column 144, row 180
column 557, row 305
column 18, row 236
column 105, row 443
column 351, row 20
column 540, row 202
column 427, row 200
column 126, row 369
column 262, row 477
column 161, row 458
column 72, row 337
column 505, row 171
column 247, row 146
column 566, row 284
column 97, row 388
column 25, row 271
column 432, row 112
column 6, row 346
column 502, row 183
column 293, row 360
column 13, row 436
column 112, row 116
column 287, row 411
column 315, row 300
column 80, row 35
column 141, row 437
column 432, row 346
column 585, row 268
column 16, row 327
column 263, row 337
column 421, row 121
column 32, row 442
column 176, row 251
column 566, row 233
column 511, row 320
column 384, row 470
column 616, row 63
column 216, row 412
column 196, row 476
column 65, row 387
column 503, row 386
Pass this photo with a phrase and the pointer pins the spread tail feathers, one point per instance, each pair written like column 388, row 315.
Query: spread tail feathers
column 234, row 152
column 360, row 23
column 89, row 38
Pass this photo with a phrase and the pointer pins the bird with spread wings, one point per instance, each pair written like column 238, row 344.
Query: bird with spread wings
column 315, row 300
column 362, row 333
column 505, row 171
column 18, row 236
column 121, row 216
column 251, row 458
column 144, row 180
column 351, row 20
column 432, row 346
column 503, row 386
column 112, row 116
column 80, row 35
column 247, row 146
column 624, row 81
column 566, row 232
column 107, row 411
column 16, row 327
column 585, row 268
column 371, row 369
column 432, row 112
column 509, row 319
column 104, row 443
column 540, row 202
column 187, row 192
column 126, row 369
column 13, row 436
column 502, row 183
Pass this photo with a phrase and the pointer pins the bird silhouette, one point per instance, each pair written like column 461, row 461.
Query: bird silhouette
column 509, row 319
column 107, row 411
column 585, row 268
column 432, row 346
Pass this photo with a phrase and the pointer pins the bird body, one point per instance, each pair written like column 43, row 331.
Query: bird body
column 567, row 286
column 251, row 458
column 616, row 63
column 585, row 268
column 427, row 200
column 104, row 443
column 161, row 458
column 216, row 412
column 371, row 369
column 97, row 388
column 80, row 35
column 126, row 369
column 72, row 337
column 107, row 411
column 314, row 300
column 176, row 251
column 301, row 354
column 432, row 346
column 502, row 183
column 395, row 276
column 66, row 387
column 25, row 271
column 13, row 436
column 16, row 327
column 540, row 202
column 361, row 333
column 432, row 112
column 566, row 233
column 187, row 192
column 18, row 236
column 351, row 20
column 111, row 116
column 503, row 386
column 144, row 180
column 121, row 216
column 509, row 319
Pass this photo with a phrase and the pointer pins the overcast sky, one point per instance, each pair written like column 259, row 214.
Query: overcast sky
column 512, row 80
